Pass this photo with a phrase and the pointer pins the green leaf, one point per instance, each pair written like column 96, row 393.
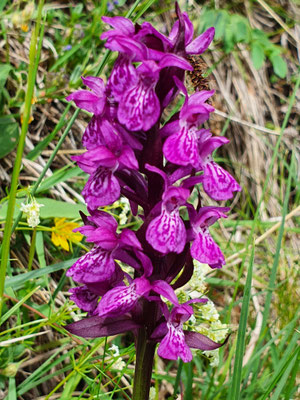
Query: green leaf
column 257, row 54
column 9, row 135
column 12, row 310
column 60, row 175
column 229, row 39
column 240, row 27
column 18, row 280
column 279, row 65
column 234, row 390
column 52, row 209
column 222, row 19
column 4, row 71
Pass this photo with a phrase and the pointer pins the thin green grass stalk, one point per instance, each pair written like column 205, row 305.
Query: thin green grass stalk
column 31, row 250
column 80, row 363
column 33, row 154
column 274, row 156
column 291, row 386
column 49, row 162
column 282, row 372
column 32, row 69
column 234, row 390
column 143, row 9
column 272, row 280
column 284, row 379
column 271, row 286
column 188, row 393
column 12, row 310
column 177, row 379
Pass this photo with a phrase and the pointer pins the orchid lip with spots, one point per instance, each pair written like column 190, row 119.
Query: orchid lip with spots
column 157, row 169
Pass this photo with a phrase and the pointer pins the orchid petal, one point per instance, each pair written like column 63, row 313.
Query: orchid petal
column 139, row 108
column 95, row 84
column 218, row 183
column 95, row 266
column 166, row 233
column 88, row 101
column 201, row 43
column 173, row 345
column 84, row 298
column 206, row 251
column 101, row 189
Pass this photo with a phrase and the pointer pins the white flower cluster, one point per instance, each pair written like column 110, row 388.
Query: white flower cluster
column 215, row 330
column 124, row 203
column 119, row 364
column 32, row 212
column 197, row 283
column 152, row 393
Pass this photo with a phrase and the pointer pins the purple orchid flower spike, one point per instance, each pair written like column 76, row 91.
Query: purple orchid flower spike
column 94, row 101
column 204, row 249
column 132, row 152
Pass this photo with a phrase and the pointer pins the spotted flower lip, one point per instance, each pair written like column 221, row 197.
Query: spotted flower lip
column 139, row 106
column 166, row 233
column 102, row 187
column 172, row 335
column 181, row 145
column 204, row 248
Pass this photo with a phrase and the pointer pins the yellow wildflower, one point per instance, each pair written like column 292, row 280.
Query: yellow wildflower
column 62, row 233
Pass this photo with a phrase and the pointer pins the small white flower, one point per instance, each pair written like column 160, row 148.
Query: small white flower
column 32, row 212
column 213, row 356
column 152, row 393
column 124, row 203
column 115, row 350
column 209, row 311
column 119, row 364
column 219, row 330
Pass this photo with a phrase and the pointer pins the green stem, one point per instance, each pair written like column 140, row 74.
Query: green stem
column 33, row 59
column 31, row 250
column 143, row 367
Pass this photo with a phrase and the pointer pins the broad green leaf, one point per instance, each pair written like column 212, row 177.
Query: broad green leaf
column 229, row 39
column 279, row 65
column 257, row 54
column 9, row 135
column 222, row 19
column 240, row 27
column 52, row 209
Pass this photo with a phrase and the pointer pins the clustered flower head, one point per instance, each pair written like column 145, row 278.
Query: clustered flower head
column 132, row 152
column 32, row 211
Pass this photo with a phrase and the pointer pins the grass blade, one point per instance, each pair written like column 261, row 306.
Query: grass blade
column 234, row 390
